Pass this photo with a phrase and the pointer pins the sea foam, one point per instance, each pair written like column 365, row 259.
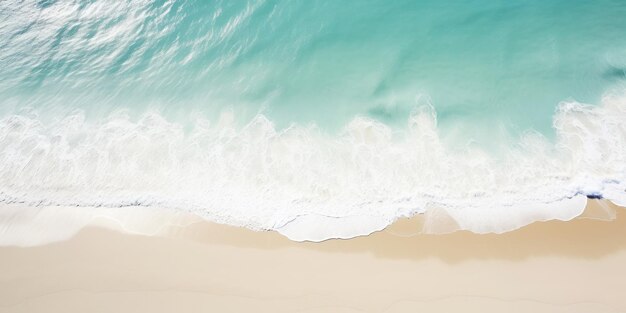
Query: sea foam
column 309, row 185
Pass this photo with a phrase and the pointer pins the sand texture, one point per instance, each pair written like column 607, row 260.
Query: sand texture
column 575, row 266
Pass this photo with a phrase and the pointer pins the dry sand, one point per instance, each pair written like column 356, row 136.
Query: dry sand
column 576, row 266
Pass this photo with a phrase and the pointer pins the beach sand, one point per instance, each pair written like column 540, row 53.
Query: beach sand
column 575, row 266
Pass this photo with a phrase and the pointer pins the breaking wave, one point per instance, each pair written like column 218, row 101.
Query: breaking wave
column 310, row 185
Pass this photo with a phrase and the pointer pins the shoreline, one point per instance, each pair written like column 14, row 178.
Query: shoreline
column 551, row 237
column 25, row 226
column 544, row 267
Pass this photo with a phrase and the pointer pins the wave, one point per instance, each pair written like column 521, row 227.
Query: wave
column 309, row 185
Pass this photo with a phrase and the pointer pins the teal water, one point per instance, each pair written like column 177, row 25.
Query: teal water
column 209, row 106
column 504, row 62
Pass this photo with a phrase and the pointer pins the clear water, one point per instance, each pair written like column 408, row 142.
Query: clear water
column 508, row 62
column 493, row 71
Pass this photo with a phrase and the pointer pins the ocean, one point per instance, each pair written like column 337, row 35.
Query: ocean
column 317, row 119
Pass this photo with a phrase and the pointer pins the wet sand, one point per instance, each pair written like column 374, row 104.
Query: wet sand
column 575, row 266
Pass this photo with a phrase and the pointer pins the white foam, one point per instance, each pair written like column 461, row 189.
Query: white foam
column 309, row 185
column 313, row 227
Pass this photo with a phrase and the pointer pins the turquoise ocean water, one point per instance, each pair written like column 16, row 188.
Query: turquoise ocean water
column 286, row 114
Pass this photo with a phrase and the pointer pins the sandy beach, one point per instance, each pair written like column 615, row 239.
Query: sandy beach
column 312, row 156
column 203, row 267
